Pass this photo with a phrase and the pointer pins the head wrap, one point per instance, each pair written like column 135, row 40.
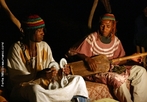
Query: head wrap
column 34, row 22
column 108, row 16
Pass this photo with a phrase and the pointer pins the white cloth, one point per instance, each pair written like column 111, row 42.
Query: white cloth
column 19, row 66
column 138, row 78
column 22, row 71
column 35, row 93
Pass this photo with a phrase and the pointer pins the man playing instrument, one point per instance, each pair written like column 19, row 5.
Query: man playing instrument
column 105, row 42
column 29, row 60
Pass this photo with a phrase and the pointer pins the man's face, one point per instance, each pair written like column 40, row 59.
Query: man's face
column 106, row 27
column 38, row 36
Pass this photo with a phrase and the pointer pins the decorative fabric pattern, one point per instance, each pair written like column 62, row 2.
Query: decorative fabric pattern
column 92, row 46
column 97, row 49
column 97, row 91
column 109, row 78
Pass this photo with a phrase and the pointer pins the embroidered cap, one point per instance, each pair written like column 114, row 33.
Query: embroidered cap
column 34, row 22
column 108, row 16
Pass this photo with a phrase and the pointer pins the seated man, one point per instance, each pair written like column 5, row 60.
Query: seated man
column 29, row 60
column 105, row 42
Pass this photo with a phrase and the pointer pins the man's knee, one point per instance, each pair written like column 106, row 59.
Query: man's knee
column 139, row 68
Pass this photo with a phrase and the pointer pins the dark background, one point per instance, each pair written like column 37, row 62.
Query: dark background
column 67, row 20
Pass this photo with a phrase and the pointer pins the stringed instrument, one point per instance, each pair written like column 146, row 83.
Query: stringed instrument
column 80, row 68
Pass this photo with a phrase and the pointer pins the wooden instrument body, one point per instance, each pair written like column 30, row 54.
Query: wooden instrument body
column 80, row 68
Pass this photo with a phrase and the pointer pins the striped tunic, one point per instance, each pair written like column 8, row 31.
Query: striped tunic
column 92, row 46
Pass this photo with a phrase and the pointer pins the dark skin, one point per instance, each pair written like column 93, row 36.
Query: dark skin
column 105, row 30
column 47, row 73
column 37, row 37
column 106, row 27
column 30, row 41
column 52, row 72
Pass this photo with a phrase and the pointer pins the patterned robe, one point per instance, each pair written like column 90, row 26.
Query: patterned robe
column 92, row 46
column 23, row 69
column 20, row 63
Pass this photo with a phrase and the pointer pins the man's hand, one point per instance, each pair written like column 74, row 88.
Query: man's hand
column 47, row 73
column 66, row 69
column 51, row 73
column 137, row 59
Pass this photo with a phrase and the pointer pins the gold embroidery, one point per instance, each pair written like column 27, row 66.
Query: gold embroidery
column 44, row 54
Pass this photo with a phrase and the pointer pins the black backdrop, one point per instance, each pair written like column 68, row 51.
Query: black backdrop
column 66, row 21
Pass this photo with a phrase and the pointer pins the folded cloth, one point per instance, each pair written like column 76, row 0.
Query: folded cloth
column 108, row 78
column 76, row 86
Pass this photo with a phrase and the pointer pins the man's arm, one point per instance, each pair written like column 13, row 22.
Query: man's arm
column 10, row 14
